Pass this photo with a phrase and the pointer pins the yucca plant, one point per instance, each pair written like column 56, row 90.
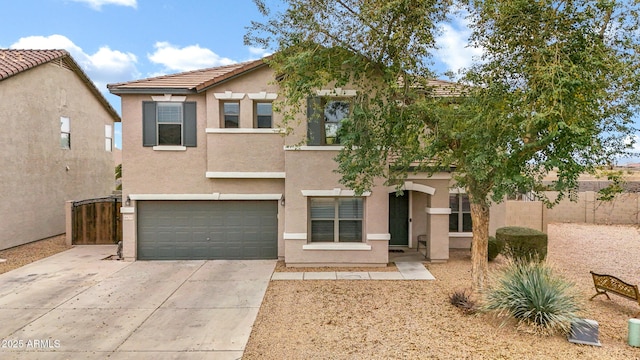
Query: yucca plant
column 534, row 296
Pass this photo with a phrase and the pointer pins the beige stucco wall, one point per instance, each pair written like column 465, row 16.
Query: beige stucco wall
column 314, row 170
column 148, row 171
column 530, row 214
column 37, row 175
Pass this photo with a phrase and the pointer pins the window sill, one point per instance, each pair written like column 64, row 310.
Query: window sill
column 244, row 131
column 460, row 234
column 314, row 148
column 169, row 148
column 336, row 246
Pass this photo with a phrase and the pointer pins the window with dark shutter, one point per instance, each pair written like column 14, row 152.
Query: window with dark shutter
column 169, row 124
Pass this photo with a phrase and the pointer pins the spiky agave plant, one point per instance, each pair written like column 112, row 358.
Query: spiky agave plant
column 532, row 294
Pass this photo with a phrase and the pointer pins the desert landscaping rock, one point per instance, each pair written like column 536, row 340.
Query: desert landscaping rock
column 346, row 319
column 24, row 254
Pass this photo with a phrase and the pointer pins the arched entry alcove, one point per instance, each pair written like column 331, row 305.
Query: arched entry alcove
column 402, row 224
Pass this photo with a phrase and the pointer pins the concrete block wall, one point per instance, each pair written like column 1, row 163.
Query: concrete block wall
column 623, row 209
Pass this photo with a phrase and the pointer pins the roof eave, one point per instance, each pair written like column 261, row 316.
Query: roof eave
column 92, row 87
column 229, row 76
column 151, row 91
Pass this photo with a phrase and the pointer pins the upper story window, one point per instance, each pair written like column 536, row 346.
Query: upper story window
column 169, row 123
column 460, row 217
column 231, row 114
column 325, row 115
column 108, row 138
column 169, row 120
column 263, row 115
column 65, row 133
column 336, row 219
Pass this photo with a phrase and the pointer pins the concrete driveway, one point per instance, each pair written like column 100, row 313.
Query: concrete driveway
column 74, row 305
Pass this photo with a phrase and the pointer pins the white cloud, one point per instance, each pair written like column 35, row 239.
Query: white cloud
column 454, row 49
column 103, row 67
column 97, row 4
column 191, row 57
column 259, row 52
column 635, row 150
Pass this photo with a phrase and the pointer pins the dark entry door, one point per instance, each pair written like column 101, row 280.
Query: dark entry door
column 399, row 219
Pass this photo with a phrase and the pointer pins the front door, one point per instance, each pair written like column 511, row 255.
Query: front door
column 399, row 219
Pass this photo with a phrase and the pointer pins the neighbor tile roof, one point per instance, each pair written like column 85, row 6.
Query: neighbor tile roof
column 444, row 88
column 190, row 81
column 15, row 61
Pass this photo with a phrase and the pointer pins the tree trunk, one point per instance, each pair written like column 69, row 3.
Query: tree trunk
column 480, row 244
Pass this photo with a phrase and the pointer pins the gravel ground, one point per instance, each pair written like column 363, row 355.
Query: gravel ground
column 414, row 320
column 24, row 254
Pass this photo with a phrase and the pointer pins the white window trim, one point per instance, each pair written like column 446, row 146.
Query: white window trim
column 255, row 113
column 294, row 236
column 108, row 137
column 336, row 192
column 336, row 246
column 438, row 211
column 223, row 114
column 314, row 148
column 169, row 98
column 411, row 186
column 169, row 148
column 336, row 221
column 243, row 131
column 263, row 95
column 458, row 191
column 336, row 92
column 228, row 95
column 379, row 237
column 460, row 234
column 66, row 127
column 170, row 123
column 213, row 196
column 244, row 175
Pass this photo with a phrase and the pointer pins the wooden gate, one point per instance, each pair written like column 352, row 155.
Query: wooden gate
column 97, row 221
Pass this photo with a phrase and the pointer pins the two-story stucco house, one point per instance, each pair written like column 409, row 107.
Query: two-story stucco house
column 58, row 139
column 207, row 174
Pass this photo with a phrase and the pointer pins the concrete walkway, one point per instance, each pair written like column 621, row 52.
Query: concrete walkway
column 74, row 305
column 406, row 271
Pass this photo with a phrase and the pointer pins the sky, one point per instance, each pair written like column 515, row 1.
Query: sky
column 122, row 40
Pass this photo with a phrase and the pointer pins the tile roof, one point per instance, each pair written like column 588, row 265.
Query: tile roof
column 15, row 61
column 444, row 88
column 197, row 81
column 190, row 82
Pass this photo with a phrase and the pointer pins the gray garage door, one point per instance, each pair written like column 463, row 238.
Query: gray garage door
column 190, row 230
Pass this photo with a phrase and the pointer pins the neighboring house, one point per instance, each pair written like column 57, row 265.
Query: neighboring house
column 58, row 137
column 207, row 174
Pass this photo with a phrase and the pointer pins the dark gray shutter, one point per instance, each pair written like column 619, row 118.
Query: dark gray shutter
column 190, row 125
column 314, row 121
column 149, row 128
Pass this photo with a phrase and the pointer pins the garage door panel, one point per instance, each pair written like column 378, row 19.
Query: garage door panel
column 207, row 230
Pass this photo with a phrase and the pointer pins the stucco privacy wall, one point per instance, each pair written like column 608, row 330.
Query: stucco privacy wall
column 38, row 176
column 623, row 209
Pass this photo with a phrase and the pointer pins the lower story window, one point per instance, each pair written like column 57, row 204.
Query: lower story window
column 460, row 217
column 336, row 219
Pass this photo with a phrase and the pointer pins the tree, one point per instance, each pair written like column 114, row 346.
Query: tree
column 556, row 89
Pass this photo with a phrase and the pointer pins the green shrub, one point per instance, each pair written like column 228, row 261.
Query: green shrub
column 534, row 296
column 523, row 244
column 495, row 247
